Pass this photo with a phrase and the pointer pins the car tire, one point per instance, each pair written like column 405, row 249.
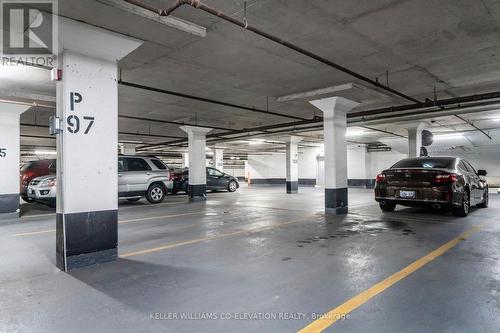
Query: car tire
column 486, row 200
column 387, row 206
column 133, row 199
column 155, row 194
column 232, row 186
column 463, row 209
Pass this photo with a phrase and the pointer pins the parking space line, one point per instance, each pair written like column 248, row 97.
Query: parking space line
column 119, row 222
column 220, row 236
column 159, row 217
column 38, row 215
column 34, row 233
column 332, row 316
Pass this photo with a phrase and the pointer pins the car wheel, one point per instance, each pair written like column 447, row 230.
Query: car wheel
column 387, row 206
column 464, row 208
column 133, row 199
column 156, row 194
column 486, row 200
column 232, row 186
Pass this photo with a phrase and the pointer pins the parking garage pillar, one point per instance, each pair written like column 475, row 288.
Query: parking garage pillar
column 197, row 187
column 219, row 159
column 415, row 138
column 185, row 160
column 87, row 172
column 334, row 124
column 292, row 164
column 9, row 158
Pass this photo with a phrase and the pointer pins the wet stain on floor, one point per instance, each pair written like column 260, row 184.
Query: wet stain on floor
column 358, row 225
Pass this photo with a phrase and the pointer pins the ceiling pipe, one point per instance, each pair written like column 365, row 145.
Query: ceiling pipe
column 318, row 123
column 122, row 116
column 385, row 132
column 121, row 133
column 471, row 124
column 199, row 5
column 207, row 100
column 417, row 115
column 429, row 104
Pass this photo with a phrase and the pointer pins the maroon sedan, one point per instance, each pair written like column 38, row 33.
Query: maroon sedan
column 432, row 181
column 32, row 170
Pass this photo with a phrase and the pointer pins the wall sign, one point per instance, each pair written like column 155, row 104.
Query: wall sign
column 3, row 152
column 73, row 121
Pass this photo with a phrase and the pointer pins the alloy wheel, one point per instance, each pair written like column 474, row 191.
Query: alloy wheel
column 156, row 193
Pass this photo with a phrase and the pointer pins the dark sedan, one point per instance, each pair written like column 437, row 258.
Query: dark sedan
column 216, row 180
column 432, row 181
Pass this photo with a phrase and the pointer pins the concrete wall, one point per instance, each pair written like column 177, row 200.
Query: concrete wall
column 237, row 172
column 363, row 167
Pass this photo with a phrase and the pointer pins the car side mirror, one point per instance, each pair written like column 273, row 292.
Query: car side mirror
column 481, row 172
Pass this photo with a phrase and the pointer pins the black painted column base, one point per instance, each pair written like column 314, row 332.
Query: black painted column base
column 336, row 201
column 84, row 239
column 292, row 187
column 9, row 206
column 197, row 192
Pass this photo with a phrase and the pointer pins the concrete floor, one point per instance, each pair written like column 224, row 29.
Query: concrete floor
column 256, row 251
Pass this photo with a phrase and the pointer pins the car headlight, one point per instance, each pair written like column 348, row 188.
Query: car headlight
column 51, row 182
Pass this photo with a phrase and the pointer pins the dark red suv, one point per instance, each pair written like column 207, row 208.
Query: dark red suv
column 32, row 170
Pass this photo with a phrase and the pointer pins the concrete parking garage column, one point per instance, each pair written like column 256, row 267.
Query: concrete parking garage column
column 292, row 164
column 415, row 138
column 9, row 159
column 185, row 160
column 197, row 187
column 219, row 158
column 334, row 126
column 87, row 105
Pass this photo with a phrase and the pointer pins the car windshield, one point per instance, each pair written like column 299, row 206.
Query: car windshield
column 427, row 163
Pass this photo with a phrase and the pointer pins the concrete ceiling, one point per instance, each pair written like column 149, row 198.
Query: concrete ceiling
column 452, row 46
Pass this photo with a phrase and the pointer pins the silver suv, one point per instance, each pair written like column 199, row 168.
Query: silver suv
column 138, row 177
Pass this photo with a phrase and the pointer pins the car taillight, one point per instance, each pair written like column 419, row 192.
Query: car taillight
column 446, row 178
column 381, row 178
column 28, row 175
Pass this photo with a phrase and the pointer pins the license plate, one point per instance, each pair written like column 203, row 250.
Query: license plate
column 407, row 194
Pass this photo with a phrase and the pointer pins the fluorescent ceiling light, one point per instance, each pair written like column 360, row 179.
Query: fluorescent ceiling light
column 449, row 136
column 256, row 141
column 45, row 152
column 355, row 131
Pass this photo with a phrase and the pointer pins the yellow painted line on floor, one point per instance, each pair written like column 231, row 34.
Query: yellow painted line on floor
column 119, row 222
column 158, row 217
column 215, row 237
column 335, row 314
column 34, row 233
column 38, row 215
